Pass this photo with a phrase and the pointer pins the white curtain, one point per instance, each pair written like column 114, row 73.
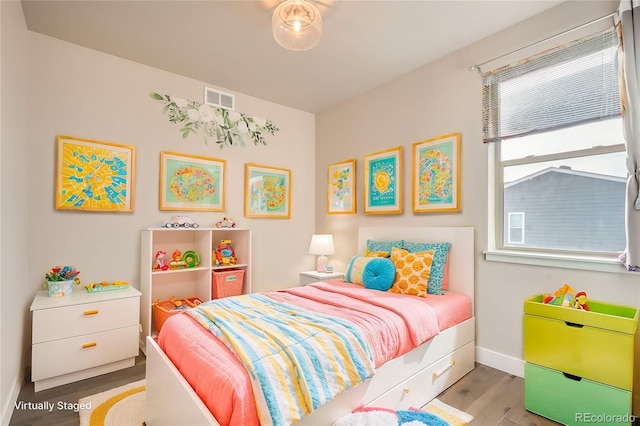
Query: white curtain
column 628, row 24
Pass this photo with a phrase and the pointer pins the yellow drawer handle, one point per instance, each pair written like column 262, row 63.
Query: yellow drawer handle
column 89, row 345
column 406, row 390
column 92, row 312
column 442, row 371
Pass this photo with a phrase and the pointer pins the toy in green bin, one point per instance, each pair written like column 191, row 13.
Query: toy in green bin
column 564, row 296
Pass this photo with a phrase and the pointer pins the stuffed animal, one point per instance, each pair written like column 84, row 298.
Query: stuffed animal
column 224, row 254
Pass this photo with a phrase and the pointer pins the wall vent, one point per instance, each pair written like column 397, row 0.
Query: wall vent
column 219, row 99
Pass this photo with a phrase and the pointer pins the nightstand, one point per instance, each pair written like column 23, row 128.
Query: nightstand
column 83, row 335
column 308, row 277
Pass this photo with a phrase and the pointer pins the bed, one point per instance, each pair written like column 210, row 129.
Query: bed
column 412, row 379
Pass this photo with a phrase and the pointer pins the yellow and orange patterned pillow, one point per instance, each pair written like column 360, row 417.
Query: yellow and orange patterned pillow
column 370, row 253
column 412, row 271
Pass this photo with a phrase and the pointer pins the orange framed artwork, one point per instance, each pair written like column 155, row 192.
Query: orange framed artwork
column 94, row 175
column 436, row 174
column 341, row 187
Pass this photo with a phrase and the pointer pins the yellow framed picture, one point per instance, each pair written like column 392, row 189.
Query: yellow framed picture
column 191, row 182
column 383, row 182
column 267, row 192
column 341, row 187
column 94, row 176
column 436, row 174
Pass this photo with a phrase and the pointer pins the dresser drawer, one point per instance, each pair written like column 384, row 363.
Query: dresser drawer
column 55, row 358
column 597, row 354
column 79, row 319
column 428, row 383
column 574, row 401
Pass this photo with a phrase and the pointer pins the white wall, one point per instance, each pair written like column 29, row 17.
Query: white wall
column 15, row 292
column 65, row 89
column 441, row 98
column 84, row 93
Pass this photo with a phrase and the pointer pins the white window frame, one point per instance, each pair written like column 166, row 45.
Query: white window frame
column 498, row 252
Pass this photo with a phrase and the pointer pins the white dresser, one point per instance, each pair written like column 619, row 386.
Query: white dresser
column 83, row 335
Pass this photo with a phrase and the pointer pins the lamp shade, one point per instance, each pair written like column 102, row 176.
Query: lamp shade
column 296, row 25
column 321, row 244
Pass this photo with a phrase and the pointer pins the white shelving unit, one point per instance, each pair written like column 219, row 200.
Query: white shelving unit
column 188, row 282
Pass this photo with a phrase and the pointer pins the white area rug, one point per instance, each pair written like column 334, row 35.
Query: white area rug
column 122, row 406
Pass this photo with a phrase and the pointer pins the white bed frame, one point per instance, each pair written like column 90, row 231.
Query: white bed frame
column 410, row 380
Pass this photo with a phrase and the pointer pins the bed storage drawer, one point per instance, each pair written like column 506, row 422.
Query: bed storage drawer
column 428, row 383
column 574, row 400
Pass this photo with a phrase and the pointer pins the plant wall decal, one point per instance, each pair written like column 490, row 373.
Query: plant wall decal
column 226, row 127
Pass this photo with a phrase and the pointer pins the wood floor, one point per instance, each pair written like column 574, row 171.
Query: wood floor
column 491, row 396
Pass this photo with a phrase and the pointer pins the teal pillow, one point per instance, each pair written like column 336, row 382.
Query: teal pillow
column 373, row 245
column 379, row 274
column 434, row 286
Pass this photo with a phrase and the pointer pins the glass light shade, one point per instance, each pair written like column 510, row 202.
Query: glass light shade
column 322, row 244
column 296, row 25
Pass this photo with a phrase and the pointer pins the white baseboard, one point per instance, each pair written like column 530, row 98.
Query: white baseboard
column 500, row 361
column 7, row 410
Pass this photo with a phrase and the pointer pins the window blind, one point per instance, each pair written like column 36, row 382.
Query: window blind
column 568, row 85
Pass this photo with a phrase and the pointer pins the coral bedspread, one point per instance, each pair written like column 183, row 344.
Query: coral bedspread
column 392, row 324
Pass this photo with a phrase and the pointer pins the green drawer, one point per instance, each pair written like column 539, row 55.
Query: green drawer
column 597, row 354
column 574, row 401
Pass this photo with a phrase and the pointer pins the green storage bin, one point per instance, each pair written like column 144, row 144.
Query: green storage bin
column 596, row 344
column 608, row 316
column 572, row 400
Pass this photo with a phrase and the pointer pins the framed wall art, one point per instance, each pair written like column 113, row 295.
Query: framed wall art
column 192, row 182
column 341, row 188
column 383, row 182
column 94, row 176
column 267, row 192
column 436, row 174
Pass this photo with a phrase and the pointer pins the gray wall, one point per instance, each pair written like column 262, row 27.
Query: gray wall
column 569, row 211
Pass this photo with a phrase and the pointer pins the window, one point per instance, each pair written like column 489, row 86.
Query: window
column 560, row 157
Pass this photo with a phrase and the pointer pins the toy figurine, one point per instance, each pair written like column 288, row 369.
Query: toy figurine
column 224, row 254
column 160, row 264
column 225, row 223
column 176, row 261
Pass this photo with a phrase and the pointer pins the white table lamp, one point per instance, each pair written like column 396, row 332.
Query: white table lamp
column 321, row 245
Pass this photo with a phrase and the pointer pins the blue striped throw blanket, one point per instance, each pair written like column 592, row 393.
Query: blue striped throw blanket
column 297, row 359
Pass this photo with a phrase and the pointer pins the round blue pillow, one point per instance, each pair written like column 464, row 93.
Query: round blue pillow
column 379, row 274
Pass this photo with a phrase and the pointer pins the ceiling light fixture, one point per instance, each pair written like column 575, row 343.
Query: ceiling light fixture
column 297, row 25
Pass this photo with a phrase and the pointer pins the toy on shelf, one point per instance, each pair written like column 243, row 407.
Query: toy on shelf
column 180, row 222
column 225, row 223
column 160, row 264
column 565, row 296
column 191, row 258
column 176, row 261
column 224, row 254
column 106, row 286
